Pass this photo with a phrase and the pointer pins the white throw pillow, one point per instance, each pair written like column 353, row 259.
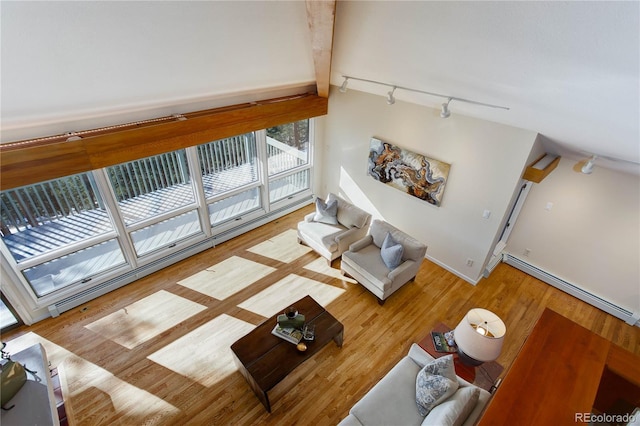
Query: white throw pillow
column 435, row 383
column 326, row 212
column 455, row 410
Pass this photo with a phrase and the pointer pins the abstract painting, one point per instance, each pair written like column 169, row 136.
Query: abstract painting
column 409, row 172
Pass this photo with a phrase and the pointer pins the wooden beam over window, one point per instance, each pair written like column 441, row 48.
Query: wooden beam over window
column 321, row 18
column 28, row 162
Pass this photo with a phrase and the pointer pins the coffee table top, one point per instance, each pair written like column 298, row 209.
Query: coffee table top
column 269, row 358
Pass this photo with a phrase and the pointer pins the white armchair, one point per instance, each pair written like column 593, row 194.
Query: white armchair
column 364, row 261
column 331, row 240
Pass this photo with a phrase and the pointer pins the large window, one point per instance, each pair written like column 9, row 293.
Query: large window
column 288, row 153
column 230, row 177
column 156, row 200
column 83, row 229
column 59, row 232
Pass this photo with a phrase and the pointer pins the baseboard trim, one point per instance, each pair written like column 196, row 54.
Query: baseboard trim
column 454, row 271
column 629, row 317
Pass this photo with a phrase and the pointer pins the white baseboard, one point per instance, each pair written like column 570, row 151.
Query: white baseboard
column 453, row 271
column 629, row 317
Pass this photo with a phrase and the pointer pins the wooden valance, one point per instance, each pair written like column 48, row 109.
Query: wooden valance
column 541, row 168
column 28, row 162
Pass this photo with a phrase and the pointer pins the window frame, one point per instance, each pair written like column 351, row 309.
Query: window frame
column 121, row 231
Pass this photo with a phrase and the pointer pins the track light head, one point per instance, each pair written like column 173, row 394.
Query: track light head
column 72, row 136
column 444, row 112
column 390, row 98
column 588, row 166
column 343, row 88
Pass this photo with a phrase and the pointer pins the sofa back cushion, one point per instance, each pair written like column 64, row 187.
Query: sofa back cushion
column 348, row 214
column 455, row 410
column 413, row 249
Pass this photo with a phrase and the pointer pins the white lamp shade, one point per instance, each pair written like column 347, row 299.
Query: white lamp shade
column 480, row 335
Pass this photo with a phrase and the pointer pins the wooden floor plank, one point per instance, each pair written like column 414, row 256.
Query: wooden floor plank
column 110, row 384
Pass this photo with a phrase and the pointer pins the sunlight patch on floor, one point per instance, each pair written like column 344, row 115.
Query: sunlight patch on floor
column 87, row 384
column 321, row 266
column 204, row 355
column 288, row 290
column 110, row 397
column 145, row 319
column 227, row 277
column 283, row 247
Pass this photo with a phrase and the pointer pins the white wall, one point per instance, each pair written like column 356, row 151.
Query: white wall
column 487, row 160
column 591, row 235
column 74, row 65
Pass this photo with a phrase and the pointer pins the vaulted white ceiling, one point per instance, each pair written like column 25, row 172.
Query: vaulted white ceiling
column 568, row 70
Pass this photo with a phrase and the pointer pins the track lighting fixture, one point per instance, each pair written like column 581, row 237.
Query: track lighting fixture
column 444, row 112
column 588, row 166
column 390, row 99
column 343, row 88
column 72, row 136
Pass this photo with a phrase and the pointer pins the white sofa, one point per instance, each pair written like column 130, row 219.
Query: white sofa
column 392, row 401
column 331, row 240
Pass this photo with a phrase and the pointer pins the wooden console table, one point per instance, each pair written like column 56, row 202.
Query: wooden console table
column 556, row 377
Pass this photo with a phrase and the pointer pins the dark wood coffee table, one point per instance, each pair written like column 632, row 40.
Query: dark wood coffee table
column 264, row 359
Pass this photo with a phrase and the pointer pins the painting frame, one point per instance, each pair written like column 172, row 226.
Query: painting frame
column 414, row 174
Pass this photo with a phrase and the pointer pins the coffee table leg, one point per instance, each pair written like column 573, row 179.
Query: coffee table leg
column 338, row 338
column 260, row 394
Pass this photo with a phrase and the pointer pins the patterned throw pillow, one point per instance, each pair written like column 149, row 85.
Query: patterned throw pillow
column 326, row 212
column 391, row 252
column 435, row 383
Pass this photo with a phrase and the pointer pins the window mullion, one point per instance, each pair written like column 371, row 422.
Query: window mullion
column 193, row 164
column 263, row 162
column 114, row 212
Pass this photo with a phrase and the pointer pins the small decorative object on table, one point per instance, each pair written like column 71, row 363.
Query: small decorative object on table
column 443, row 342
column 309, row 332
column 296, row 322
column 291, row 312
column 289, row 334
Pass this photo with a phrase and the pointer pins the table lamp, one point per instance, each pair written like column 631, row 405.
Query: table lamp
column 479, row 337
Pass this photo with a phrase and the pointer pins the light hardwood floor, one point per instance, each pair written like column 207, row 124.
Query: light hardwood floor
column 145, row 364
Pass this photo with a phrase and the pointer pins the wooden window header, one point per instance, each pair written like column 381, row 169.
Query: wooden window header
column 32, row 161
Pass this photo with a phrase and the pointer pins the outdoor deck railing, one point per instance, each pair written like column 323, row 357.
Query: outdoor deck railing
column 160, row 182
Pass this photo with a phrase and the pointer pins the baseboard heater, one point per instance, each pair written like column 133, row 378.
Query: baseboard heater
column 101, row 289
column 567, row 287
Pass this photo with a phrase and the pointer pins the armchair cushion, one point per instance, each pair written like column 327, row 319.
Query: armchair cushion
column 391, row 252
column 326, row 212
column 413, row 249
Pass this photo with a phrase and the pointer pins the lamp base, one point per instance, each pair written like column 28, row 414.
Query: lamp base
column 467, row 360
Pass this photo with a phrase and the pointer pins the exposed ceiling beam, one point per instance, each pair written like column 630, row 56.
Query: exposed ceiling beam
column 29, row 162
column 321, row 18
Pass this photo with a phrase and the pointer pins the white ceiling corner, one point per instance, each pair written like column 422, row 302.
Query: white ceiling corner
column 567, row 70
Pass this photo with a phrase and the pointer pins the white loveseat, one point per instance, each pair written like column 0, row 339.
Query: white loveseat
column 331, row 240
column 392, row 401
